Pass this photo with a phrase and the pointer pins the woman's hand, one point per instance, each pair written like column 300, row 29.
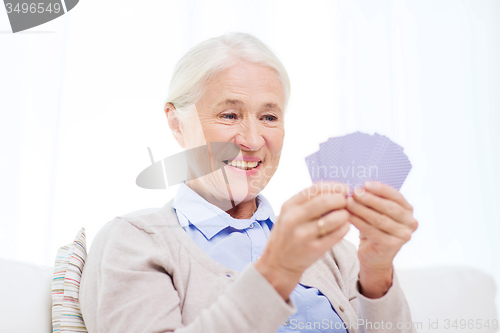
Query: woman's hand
column 295, row 241
column 385, row 222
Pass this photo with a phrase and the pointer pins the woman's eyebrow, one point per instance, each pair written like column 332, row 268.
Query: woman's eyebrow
column 266, row 106
column 271, row 105
column 230, row 101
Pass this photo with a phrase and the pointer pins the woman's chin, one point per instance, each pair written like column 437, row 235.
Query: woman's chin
column 239, row 191
column 241, row 186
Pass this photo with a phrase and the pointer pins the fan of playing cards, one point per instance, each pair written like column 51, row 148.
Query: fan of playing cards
column 357, row 157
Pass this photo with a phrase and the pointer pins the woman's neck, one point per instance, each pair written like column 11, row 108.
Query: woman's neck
column 243, row 210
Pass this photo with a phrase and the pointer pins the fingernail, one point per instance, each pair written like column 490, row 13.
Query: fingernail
column 359, row 191
column 371, row 185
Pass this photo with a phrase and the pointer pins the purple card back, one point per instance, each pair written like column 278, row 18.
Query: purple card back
column 354, row 158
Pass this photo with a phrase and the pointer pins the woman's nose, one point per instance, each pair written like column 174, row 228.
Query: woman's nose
column 250, row 137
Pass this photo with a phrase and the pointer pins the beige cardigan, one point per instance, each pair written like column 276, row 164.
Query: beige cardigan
column 145, row 274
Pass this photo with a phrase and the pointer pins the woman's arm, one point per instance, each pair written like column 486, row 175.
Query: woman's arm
column 125, row 287
column 391, row 307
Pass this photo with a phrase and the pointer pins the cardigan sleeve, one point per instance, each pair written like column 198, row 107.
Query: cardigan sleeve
column 125, row 287
column 389, row 313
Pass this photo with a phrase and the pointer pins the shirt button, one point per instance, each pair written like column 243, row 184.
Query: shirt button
column 251, row 226
column 341, row 308
column 286, row 323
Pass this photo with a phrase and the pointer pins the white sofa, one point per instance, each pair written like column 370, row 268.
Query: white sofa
column 437, row 293
column 25, row 297
column 444, row 294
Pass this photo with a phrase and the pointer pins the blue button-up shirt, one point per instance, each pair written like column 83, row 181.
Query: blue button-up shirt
column 236, row 243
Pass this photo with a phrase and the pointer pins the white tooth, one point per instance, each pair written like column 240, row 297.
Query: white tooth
column 243, row 164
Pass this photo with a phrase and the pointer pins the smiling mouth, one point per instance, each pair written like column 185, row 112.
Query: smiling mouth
column 243, row 165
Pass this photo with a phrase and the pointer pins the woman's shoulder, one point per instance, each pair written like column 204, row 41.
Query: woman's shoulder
column 136, row 226
column 145, row 219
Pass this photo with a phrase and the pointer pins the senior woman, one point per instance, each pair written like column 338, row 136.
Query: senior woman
column 216, row 258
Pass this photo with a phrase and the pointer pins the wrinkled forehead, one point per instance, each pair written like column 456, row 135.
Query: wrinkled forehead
column 244, row 85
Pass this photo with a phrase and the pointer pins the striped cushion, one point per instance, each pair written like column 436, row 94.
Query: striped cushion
column 66, row 313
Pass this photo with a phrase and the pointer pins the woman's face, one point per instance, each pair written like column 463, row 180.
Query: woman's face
column 243, row 104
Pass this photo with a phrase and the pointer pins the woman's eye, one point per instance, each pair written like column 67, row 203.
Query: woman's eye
column 270, row 118
column 230, row 116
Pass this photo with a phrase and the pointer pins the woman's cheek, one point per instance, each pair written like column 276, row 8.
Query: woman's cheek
column 219, row 133
column 275, row 143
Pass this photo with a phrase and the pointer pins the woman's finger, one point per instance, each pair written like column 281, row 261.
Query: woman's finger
column 317, row 189
column 332, row 221
column 314, row 202
column 386, row 207
column 333, row 237
column 319, row 206
column 389, row 192
column 374, row 234
column 378, row 220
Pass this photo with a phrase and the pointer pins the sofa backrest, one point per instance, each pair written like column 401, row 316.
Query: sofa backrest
column 447, row 298
column 25, row 297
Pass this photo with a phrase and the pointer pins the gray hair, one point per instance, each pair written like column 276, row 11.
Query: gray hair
column 209, row 58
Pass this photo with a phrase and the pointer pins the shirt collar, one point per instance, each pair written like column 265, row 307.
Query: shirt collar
column 210, row 219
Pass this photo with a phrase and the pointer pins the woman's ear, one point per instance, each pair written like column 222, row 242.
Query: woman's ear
column 174, row 123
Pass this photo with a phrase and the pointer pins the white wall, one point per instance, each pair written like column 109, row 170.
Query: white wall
column 81, row 100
